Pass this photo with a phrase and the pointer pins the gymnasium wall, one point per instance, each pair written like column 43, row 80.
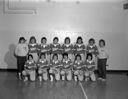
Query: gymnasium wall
column 105, row 20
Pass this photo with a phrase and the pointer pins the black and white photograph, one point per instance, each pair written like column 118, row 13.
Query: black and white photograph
column 63, row 49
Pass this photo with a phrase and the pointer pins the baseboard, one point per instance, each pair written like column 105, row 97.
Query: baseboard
column 108, row 71
column 115, row 71
column 8, row 70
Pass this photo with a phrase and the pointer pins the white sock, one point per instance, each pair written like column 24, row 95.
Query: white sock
column 63, row 77
column 51, row 77
column 40, row 78
column 75, row 78
column 19, row 74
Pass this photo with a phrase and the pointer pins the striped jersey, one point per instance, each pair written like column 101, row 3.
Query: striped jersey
column 66, row 63
column 55, row 48
column 92, row 49
column 42, row 64
column 55, row 63
column 43, row 48
column 90, row 65
column 30, row 65
column 33, row 48
column 79, row 48
column 78, row 65
column 67, row 48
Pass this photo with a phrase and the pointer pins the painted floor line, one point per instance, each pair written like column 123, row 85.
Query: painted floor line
column 85, row 95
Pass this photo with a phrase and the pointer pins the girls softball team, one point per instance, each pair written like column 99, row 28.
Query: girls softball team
column 61, row 62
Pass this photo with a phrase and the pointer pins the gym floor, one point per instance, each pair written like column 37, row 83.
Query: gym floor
column 116, row 87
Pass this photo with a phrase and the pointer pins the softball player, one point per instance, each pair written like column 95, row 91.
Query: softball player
column 79, row 48
column 29, row 69
column 43, row 66
column 92, row 48
column 68, row 48
column 55, row 68
column 33, row 48
column 90, row 67
column 78, row 67
column 66, row 71
column 44, row 48
column 56, row 48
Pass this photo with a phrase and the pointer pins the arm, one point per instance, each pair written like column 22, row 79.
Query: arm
column 26, row 48
column 16, row 50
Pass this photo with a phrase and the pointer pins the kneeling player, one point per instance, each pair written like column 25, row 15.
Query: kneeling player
column 55, row 68
column 42, row 67
column 90, row 67
column 29, row 69
column 67, row 66
column 78, row 67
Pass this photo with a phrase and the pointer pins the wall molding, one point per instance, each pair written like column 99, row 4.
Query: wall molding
column 9, row 9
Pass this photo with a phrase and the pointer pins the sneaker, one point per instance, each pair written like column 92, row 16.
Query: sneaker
column 25, row 79
column 103, row 80
column 100, row 78
column 87, row 79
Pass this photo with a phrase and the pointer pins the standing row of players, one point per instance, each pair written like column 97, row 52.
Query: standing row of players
column 56, row 53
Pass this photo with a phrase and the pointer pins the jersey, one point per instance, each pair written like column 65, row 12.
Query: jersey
column 92, row 49
column 55, row 64
column 42, row 64
column 79, row 49
column 78, row 65
column 90, row 65
column 30, row 65
column 55, row 48
column 44, row 48
column 33, row 48
column 67, row 48
column 67, row 64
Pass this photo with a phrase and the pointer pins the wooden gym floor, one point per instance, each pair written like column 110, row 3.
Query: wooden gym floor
column 116, row 87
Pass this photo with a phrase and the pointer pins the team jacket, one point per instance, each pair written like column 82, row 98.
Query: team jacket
column 67, row 48
column 44, row 48
column 55, row 48
column 79, row 49
column 92, row 49
column 30, row 65
column 42, row 64
column 90, row 65
column 33, row 48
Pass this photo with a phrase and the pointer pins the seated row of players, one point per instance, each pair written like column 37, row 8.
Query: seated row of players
column 72, row 50
column 56, row 69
